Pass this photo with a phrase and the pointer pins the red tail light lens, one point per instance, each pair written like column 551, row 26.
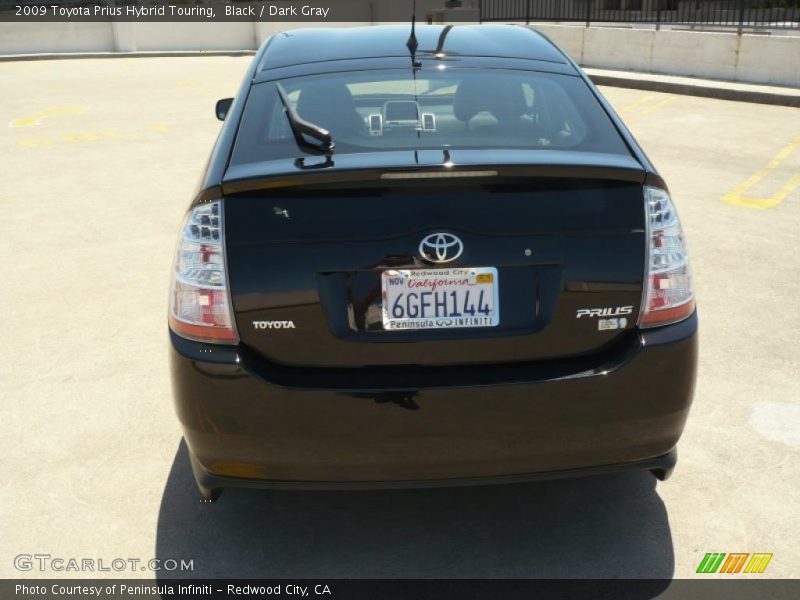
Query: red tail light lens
column 199, row 303
column 669, row 291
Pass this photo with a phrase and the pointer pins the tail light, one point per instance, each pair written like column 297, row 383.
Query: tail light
column 199, row 302
column 669, row 293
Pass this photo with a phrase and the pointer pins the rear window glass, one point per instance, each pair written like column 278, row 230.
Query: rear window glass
column 374, row 111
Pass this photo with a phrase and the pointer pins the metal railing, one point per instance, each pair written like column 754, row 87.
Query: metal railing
column 739, row 14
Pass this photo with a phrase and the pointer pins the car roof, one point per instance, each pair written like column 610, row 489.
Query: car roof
column 303, row 46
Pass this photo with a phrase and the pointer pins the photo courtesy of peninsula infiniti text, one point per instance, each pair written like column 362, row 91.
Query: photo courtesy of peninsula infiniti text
column 422, row 256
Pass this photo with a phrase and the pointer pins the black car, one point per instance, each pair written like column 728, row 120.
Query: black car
column 429, row 258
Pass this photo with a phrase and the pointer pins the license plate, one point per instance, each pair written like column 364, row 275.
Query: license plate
column 440, row 298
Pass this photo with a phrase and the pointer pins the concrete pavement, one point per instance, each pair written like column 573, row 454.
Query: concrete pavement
column 99, row 159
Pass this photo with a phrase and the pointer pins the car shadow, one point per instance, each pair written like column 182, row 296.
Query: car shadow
column 605, row 526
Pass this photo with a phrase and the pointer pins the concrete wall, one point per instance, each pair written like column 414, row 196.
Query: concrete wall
column 264, row 30
column 747, row 58
column 194, row 36
column 769, row 59
column 33, row 38
column 24, row 38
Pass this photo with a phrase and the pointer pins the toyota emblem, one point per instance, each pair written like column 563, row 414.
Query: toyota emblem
column 440, row 247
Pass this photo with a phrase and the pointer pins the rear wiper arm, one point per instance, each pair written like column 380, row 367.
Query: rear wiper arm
column 301, row 127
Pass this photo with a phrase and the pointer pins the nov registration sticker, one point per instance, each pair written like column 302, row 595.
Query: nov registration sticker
column 440, row 298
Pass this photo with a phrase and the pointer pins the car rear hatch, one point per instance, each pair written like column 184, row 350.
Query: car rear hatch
column 308, row 240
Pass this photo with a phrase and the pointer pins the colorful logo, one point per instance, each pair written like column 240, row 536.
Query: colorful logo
column 734, row 562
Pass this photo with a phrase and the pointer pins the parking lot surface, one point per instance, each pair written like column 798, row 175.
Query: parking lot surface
column 99, row 159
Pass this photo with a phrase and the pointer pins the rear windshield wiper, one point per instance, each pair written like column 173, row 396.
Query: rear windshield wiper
column 301, row 127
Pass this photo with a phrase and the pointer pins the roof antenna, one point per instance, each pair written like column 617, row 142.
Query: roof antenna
column 412, row 44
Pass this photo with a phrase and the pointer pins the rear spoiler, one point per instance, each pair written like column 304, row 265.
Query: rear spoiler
column 426, row 165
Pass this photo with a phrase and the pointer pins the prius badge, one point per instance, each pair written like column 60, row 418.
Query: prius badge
column 440, row 247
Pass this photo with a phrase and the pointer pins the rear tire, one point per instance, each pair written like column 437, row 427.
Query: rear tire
column 207, row 494
column 662, row 474
column 666, row 465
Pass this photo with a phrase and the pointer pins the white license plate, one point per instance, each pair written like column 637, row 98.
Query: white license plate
column 440, row 298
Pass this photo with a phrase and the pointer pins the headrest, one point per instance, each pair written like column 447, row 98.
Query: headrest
column 503, row 98
column 329, row 104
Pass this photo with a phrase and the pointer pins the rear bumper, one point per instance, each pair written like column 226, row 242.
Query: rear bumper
column 251, row 425
column 661, row 466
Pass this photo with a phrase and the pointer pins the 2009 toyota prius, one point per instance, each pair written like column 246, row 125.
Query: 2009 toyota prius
column 428, row 258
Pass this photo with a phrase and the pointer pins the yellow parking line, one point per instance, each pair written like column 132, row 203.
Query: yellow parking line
column 737, row 195
column 79, row 137
column 36, row 119
column 638, row 103
column 656, row 106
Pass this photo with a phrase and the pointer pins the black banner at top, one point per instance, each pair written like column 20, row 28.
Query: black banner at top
column 311, row 11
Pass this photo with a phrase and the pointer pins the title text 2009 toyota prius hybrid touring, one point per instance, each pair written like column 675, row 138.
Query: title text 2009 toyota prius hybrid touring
column 435, row 258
